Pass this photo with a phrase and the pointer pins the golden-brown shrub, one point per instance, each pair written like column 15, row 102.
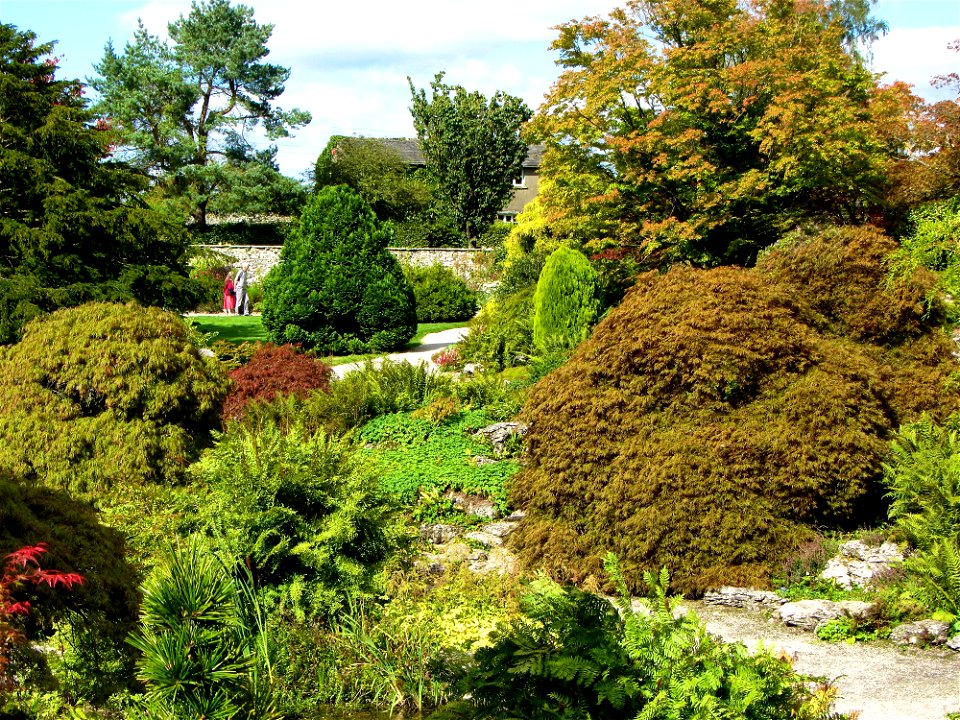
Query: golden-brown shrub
column 716, row 418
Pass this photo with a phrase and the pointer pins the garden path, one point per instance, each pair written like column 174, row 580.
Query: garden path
column 880, row 680
column 432, row 343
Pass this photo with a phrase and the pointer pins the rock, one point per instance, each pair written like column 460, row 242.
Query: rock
column 743, row 598
column 470, row 369
column 807, row 614
column 500, row 432
column 954, row 643
column 515, row 516
column 484, row 538
column 500, row 529
column 480, row 461
column 922, row 632
column 473, row 504
column 858, row 564
column 439, row 534
column 207, row 352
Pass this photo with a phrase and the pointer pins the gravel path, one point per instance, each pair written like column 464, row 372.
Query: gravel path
column 421, row 353
column 880, row 680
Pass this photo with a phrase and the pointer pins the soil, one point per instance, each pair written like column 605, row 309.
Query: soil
column 880, row 680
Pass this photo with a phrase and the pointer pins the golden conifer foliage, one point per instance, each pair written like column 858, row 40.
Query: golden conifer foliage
column 717, row 417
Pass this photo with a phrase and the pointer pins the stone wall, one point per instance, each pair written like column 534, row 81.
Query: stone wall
column 261, row 258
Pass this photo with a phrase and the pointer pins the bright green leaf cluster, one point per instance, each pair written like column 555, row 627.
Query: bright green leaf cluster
column 564, row 303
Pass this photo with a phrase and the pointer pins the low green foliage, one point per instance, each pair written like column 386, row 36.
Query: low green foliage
column 441, row 294
column 371, row 391
column 923, row 476
column 301, row 509
column 574, row 654
column 399, row 652
column 844, row 629
column 415, row 454
column 105, row 394
column 501, row 335
column 201, row 639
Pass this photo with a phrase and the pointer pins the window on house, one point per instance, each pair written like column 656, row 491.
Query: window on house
column 507, row 217
column 518, row 181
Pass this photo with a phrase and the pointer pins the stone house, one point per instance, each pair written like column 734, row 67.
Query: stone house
column 525, row 185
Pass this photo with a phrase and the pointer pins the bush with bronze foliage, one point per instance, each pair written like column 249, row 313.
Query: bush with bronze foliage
column 717, row 418
column 274, row 370
column 105, row 394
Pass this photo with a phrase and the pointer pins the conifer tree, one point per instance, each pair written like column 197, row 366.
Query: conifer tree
column 565, row 302
column 336, row 288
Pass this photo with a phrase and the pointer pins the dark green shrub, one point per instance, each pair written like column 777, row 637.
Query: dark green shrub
column 270, row 372
column 564, row 304
column 102, row 394
column 441, row 295
column 300, row 509
column 336, row 288
column 730, row 414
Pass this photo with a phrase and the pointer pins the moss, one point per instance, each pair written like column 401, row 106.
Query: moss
column 717, row 418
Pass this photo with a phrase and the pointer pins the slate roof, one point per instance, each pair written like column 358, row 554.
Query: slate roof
column 409, row 150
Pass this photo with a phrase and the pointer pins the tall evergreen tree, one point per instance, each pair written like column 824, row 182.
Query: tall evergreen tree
column 184, row 108
column 71, row 226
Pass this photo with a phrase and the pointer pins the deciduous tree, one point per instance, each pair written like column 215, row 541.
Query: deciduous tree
column 708, row 128
column 182, row 107
column 472, row 147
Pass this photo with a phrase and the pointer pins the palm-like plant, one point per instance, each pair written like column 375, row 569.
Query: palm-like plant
column 199, row 639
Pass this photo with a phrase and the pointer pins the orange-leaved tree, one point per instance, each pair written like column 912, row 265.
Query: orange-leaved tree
column 704, row 130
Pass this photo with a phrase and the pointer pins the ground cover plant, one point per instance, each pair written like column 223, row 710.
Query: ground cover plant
column 417, row 455
column 771, row 390
column 575, row 654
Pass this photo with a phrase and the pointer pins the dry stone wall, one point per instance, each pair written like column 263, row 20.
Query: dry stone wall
column 261, row 258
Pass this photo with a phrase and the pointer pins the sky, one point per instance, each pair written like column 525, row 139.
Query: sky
column 350, row 59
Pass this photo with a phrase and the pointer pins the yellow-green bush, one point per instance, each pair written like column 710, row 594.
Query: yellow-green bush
column 717, row 417
column 102, row 394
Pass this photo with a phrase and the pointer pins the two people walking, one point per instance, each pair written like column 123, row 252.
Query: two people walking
column 235, row 297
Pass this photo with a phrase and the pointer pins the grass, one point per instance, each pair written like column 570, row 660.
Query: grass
column 249, row 328
column 233, row 328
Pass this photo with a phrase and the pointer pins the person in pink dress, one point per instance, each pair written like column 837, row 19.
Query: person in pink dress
column 229, row 295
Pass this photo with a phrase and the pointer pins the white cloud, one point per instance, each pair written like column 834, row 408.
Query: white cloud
column 916, row 55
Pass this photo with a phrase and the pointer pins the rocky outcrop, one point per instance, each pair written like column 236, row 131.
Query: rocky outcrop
column 858, row 564
column 921, row 632
column 500, row 433
column 807, row 614
column 744, row 598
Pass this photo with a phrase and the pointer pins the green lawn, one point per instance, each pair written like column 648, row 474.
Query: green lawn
column 234, row 328
column 248, row 328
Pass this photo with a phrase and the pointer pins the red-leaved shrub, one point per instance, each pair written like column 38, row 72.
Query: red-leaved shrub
column 274, row 370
